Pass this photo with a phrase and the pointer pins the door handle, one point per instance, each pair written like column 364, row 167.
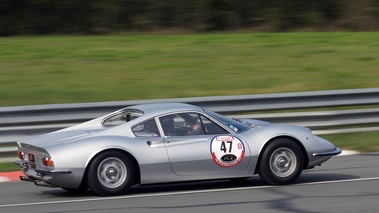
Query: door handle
column 155, row 143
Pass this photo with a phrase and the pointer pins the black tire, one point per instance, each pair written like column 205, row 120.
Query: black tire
column 110, row 173
column 282, row 162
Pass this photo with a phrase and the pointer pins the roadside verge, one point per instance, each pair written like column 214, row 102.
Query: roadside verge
column 10, row 176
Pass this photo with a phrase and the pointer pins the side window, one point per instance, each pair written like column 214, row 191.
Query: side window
column 185, row 124
column 168, row 124
column 195, row 123
column 148, row 128
column 181, row 124
column 212, row 128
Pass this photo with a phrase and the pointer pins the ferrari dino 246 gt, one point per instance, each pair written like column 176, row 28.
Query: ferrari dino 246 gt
column 168, row 142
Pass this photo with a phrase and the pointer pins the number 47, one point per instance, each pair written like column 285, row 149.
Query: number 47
column 223, row 146
column 230, row 144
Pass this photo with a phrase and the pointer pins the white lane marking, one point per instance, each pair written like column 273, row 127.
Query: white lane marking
column 4, row 179
column 348, row 152
column 182, row 193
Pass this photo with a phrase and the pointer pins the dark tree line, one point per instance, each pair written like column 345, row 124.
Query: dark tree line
column 19, row 17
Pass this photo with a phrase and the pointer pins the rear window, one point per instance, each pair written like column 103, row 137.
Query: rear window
column 121, row 118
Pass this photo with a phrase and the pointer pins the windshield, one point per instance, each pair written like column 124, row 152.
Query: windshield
column 233, row 124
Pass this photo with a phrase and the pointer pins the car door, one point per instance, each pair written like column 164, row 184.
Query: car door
column 209, row 150
column 150, row 148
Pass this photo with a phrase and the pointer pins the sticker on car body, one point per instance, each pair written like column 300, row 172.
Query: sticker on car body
column 227, row 151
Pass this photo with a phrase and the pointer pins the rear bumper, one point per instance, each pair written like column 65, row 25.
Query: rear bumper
column 48, row 178
column 43, row 178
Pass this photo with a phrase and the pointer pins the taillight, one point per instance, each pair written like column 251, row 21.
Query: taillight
column 20, row 154
column 48, row 161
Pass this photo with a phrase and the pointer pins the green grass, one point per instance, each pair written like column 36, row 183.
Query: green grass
column 71, row 69
column 363, row 142
column 8, row 167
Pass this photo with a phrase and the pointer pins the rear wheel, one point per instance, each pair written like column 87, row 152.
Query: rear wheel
column 282, row 162
column 110, row 173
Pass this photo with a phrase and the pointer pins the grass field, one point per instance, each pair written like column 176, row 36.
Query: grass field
column 71, row 69
column 74, row 69
column 8, row 167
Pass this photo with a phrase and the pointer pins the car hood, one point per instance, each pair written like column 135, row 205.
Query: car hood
column 57, row 138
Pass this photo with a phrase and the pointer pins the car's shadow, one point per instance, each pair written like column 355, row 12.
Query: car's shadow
column 204, row 185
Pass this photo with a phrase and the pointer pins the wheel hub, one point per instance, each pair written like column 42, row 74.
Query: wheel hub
column 283, row 162
column 111, row 173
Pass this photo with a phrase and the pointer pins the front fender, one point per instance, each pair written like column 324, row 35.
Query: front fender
column 259, row 137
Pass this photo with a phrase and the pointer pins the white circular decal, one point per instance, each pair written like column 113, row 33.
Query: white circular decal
column 227, row 151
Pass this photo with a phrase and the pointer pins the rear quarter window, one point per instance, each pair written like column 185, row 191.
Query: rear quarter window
column 121, row 118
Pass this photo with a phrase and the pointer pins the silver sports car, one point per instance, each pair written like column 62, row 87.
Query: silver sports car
column 168, row 142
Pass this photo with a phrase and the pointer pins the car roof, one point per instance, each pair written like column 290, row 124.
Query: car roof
column 163, row 108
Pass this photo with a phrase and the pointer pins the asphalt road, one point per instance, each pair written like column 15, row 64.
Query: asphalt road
column 343, row 184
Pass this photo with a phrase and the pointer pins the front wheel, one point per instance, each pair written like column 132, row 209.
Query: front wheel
column 110, row 173
column 282, row 162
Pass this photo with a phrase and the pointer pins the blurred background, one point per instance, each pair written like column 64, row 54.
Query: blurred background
column 109, row 16
column 107, row 50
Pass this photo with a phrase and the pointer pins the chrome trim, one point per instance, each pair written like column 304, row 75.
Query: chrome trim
column 52, row 172
column 336, row 151
column 25, row 178
column 43, row 183
column 36, row 181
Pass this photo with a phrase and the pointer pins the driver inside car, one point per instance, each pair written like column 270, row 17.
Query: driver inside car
column 196, row 129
